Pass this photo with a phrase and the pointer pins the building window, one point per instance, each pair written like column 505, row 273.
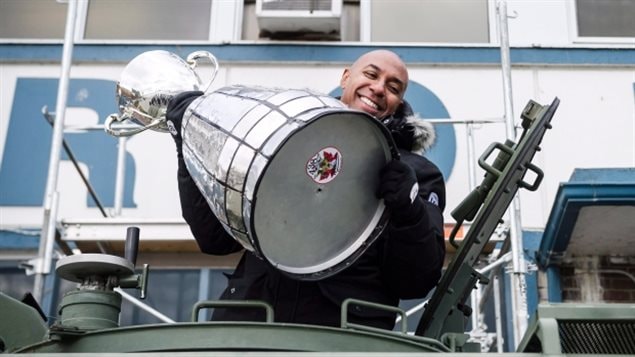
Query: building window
column 449, row 21
column 123, row 20
column 32, row 19
column 148, row 20
column 308, row 5
column 603, row 19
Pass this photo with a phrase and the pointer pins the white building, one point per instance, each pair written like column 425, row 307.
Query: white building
column 581, row 51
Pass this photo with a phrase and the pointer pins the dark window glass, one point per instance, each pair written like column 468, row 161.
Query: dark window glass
column 37, row 19
column 148, row 19
column 310, row 5
column 455, row 21
column 606, row 18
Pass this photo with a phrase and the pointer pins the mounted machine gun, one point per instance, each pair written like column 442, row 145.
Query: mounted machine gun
column 444, row 315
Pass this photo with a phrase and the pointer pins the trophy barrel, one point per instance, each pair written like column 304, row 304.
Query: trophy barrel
column 290, row 174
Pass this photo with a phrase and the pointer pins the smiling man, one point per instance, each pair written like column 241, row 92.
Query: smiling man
column 375, row 83
column 404, row 262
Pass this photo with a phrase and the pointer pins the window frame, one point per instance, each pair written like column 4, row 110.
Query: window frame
column 44, row 41
column 365, row 9
column 82, row 17
column 575, row 38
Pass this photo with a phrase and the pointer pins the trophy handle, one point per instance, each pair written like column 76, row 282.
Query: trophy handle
column 192, row 60
column 127, row 132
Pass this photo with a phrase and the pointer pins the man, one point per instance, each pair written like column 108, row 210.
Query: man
column 403, row 263
column 375, row 83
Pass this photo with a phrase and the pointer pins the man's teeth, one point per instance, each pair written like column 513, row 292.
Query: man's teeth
column 369, row 102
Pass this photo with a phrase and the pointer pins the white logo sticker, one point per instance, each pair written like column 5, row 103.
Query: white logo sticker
column 171, row 128
column 324, row 165
column 413, row 192
column 434, row 199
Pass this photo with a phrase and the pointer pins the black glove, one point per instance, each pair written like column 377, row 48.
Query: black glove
column 404, row 137
column 174, row 115
column 402, row 133
column 399, row 188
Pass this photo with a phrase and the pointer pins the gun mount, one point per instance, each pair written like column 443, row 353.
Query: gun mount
column 445, row 312
column 94, row 305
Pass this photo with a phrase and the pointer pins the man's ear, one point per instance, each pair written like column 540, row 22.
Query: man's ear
column 344, row 78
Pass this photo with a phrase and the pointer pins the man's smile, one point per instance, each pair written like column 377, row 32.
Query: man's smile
column 369, row 102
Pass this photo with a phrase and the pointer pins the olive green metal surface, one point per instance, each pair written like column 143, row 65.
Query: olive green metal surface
column 231, row 336
column 20, row 324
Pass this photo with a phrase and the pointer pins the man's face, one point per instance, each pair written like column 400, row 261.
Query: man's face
column 375, row 83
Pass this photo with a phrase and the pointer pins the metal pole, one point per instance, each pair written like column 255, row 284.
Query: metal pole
column 497, row 316
column 413, row 310
column 45, row 251
column 471, row 159
column 471, row 156
column 518, row 284
column 143, row 306
column 500, row 261
column 50, row 118
column 477, row 314
column 120, row 176
column 203, row 289
column 506, row 70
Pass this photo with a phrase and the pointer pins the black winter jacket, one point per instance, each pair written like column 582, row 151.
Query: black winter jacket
column 403, row 263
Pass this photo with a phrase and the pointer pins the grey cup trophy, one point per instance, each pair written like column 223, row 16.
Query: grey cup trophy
column 290, row 174
column 148, row 83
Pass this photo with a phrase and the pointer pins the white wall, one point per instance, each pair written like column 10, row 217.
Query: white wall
column 594, row 126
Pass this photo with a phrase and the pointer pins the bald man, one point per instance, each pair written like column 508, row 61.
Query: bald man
column 404, row 262
column 375, row 83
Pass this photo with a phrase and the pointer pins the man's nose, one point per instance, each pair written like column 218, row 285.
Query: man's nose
column 378, row 87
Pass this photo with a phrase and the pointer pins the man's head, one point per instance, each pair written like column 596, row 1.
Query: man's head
column 375, row 83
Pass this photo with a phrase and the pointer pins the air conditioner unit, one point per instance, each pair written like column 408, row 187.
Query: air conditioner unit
column 299, row 16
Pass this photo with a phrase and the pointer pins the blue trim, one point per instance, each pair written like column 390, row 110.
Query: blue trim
column 531, row 242
column 554, row 287
column 323, row 52
column 15, row 240
column 603, row 176
column 590, row 187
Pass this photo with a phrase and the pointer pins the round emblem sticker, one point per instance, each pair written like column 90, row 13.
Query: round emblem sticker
column 324, row 165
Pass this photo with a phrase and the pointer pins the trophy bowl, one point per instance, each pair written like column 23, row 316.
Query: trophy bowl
column 149, row 82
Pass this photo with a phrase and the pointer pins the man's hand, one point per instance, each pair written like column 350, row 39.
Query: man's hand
column 402, row 132
column 174, row 116
column 399, row 188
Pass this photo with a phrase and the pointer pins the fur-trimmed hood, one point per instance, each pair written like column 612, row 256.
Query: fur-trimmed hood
column 410, row 131
column 424, row 134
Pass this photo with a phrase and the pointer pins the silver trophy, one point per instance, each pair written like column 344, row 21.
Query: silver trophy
column 148, row 83
column 290, row 174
